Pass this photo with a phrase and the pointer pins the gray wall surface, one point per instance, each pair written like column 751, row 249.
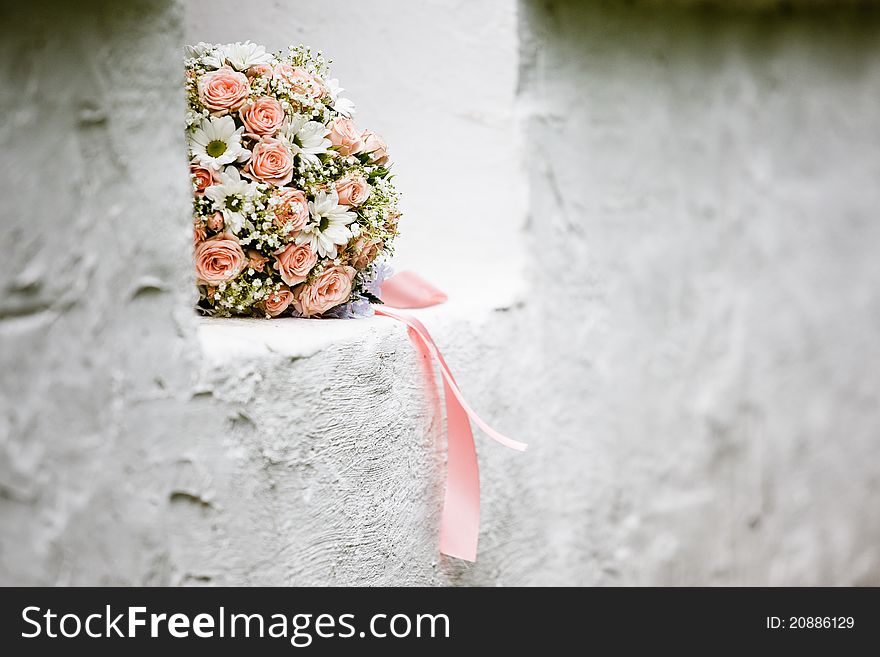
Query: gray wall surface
column 704, row 199
column 691, row 348
column 96, row 332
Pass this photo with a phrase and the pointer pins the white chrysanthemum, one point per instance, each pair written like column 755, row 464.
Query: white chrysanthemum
column 241, row 56
column 328, row 225
column 306, row 138
column 233, row 197
column 342, row 105
column 217, row 142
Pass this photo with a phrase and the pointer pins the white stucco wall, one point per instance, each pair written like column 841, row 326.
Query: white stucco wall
column 96, row 330
column 704, row 189
column 691, row 357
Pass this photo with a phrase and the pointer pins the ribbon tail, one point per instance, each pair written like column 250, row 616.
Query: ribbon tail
column 448, row 379
column 460, row 519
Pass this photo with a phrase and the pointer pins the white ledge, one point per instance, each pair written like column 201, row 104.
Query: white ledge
column 224, row 339
column 234, row 339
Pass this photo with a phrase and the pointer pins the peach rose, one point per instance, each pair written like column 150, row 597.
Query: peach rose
column 199, row 234
column 300, row 80
column 292, row 210
column 216, row 221
column 202, row 178
column 345, row 136
column 352, row 190
column 294, row 262
column 271, row 162
column 223, row 90
column 259, row 71
column 219, row 259
column 366, row 251
column 256, row 260
column 331, row 288
column 376, row 147
column 264, row 116
column 278, row 301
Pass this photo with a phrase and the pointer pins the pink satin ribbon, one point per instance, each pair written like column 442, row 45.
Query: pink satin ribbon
column 460, row 520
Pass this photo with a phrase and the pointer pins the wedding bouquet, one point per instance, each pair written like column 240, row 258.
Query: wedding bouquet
column 294, row 207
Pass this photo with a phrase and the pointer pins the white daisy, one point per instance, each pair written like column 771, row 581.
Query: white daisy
column 306, row 138
column 342, row 105
column 216, row 143
column 328, row 225
column 241, row 56
column 207, row 53
column 233, row 197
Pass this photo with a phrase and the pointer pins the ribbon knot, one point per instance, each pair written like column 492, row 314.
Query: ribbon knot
column 460, row 519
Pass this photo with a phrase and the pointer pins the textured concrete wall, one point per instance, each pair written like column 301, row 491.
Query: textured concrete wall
column 691, row 359
column 704, row 196
column 95, row 320
column 686, row 362
column 134, row 450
